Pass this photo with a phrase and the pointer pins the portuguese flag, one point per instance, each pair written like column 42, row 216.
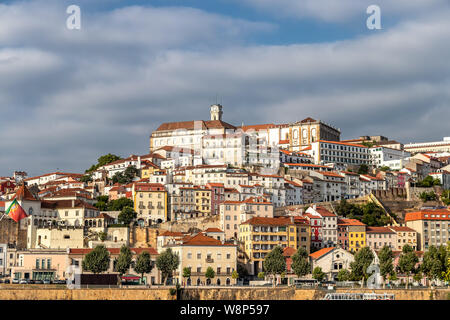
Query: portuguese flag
column 15, row 211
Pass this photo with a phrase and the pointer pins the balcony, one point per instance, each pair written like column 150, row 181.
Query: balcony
column 209, row 260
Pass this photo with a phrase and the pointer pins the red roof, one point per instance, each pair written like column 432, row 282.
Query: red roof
column 24, row 194
column 428, row 215
column 213, row 230
column 201, row 240
column 321, row 252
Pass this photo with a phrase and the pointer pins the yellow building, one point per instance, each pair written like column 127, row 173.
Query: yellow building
column 203, row 200
column 148, row 169
column 150, row 202
column 351, row 234
column 260, row 235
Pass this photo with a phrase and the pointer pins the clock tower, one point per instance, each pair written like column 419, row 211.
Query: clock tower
column 216, row 112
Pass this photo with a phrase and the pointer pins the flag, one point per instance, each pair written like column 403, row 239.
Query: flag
column 15, row 211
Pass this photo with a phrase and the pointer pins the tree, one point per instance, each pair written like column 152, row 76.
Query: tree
column 241, row 271
column 186, row 272
column 102, row 236
column 343, row 275
column 235, row 275
column 126, row 176
column 261, row 275
column 86, row 178
column 300, row 263
column 407, row 262
column 386, row 257
column 103, row 160
column 143, row 264
column 119, row 204
column 274, row 263
column 363, row 259
column 445, row 197
column 446, row 273
column 127, row 215
column 417, row 277
column 96, row 261
column 432, row 265
column 363, row 169
column 167, row 262
column 318, row 274
column 210, row 274
column 124, row 260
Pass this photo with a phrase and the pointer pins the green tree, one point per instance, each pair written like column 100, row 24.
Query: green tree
column 445, row 197
column 300, row 263
column 126, row 176
column 103, row 160
column 96, row 261
column 143, row 263
column 241, row 271
column 407, row 262
column 167, row 262
column 261, row 275
column 274, row 263
column 432, row 265
column 343, row 275
column 417, row 277
column 386, row 257
column 446, row 272
column 318, row 274
column 210, row 274
column 235, row 275
column 363, row 258
column 102, row 236
column 86, row 178
column 119, row 204
column 363, row 169
column 124, row 260
column 127, row 215
column 186, row 273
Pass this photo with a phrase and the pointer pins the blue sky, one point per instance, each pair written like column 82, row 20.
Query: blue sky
column 78, row 94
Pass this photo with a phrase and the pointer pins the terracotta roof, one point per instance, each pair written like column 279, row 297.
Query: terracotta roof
column 420, row 215
column 190, row 125
column 350, row 222
column 378, row 230
column 320, row 253
column 262, row 221
column 202, row 240
column 257, row 127
column 172, row 234
column 402, row 229
column 213, row 230
column 324, row 212
column 24, row 194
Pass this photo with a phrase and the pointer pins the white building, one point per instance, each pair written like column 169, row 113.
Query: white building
column 379, row 155
column 340, row 153
column 435, row 146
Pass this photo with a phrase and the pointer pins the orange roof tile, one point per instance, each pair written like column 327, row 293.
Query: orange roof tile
column 320, row 253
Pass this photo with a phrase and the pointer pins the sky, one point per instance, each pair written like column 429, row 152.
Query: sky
column 70, row 96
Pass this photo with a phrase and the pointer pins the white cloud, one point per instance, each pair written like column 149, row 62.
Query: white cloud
column 341, row 10
column 68, row 97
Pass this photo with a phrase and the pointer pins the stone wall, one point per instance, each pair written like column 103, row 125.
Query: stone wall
column 11, row 234
column 8, row 292
column 201, row 223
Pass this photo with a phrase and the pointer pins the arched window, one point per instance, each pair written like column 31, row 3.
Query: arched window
column 295, row 134
column 228, row 282
column 218, row 282
column 198, row 281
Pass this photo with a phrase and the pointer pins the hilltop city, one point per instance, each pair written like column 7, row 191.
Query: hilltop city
column 214, row 204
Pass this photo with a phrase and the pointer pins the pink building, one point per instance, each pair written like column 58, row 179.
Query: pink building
column 378, row 237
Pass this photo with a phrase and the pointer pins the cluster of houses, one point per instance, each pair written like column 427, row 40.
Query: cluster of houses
column 241, row 176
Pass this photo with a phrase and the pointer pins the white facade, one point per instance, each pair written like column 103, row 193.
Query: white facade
column 380, row 155
column 339, row 153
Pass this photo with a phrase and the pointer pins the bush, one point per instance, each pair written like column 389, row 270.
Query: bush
column 172, row 291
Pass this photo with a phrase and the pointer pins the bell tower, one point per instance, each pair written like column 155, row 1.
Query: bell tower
column 216, row 112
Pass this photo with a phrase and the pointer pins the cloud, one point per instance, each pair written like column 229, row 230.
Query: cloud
column 68, row 97
column 342, row 10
